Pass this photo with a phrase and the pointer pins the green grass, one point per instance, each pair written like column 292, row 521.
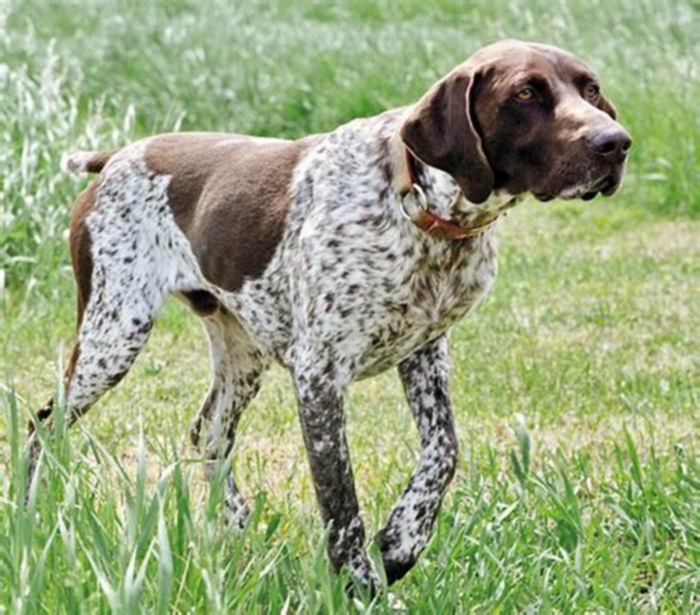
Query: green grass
column 575, row 385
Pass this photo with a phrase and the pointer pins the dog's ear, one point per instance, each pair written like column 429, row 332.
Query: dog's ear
column 605, row 105
column 441, row 132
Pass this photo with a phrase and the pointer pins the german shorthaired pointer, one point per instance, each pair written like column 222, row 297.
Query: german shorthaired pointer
column 339, row 255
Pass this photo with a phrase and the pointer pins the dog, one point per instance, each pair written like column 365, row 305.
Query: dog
column 339, row 255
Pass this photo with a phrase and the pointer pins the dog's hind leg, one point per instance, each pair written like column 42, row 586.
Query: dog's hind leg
column 115, row 327
column 425, row 379
column 238, row 367
column 125, row 265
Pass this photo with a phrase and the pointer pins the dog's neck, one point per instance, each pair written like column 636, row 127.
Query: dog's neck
column 443, row 196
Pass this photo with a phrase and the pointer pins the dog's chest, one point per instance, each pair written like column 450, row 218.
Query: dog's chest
column 375, row 302
column 382, row 304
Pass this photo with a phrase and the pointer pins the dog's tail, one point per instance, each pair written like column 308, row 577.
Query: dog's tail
column 85, row 162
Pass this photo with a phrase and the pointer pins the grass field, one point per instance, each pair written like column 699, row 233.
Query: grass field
column 575, row 385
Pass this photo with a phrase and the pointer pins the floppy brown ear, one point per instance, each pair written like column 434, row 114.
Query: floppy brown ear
column 605, row 105
column 440, row 132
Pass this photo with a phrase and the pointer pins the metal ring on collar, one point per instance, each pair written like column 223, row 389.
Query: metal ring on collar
column 419, row 196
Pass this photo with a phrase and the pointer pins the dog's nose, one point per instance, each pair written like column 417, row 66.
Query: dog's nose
column 611, row 142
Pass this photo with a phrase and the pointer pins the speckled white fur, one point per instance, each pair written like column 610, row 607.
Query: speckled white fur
column 139, row 256
column 352, row 290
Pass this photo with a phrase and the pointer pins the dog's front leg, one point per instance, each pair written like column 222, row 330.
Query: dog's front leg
column 425, row 377
column 320, row 397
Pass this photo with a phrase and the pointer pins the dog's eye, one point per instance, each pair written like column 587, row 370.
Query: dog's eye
column 591, row 92
column 526, row 94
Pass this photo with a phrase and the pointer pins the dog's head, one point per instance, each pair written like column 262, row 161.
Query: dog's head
column 521, row 117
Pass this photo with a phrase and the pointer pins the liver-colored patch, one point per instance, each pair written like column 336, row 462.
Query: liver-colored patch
column 80, row 246
column 230, row 196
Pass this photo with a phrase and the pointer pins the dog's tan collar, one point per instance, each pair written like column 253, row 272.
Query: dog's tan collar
column 408, row 187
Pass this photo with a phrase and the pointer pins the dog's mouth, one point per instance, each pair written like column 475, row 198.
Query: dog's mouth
column 607, row 186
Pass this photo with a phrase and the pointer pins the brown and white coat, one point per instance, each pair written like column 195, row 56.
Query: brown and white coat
column 313, row 253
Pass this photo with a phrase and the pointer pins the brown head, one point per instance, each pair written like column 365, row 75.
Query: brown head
column 521, row 117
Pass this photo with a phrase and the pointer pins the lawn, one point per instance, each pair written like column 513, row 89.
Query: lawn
column 576, row 384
